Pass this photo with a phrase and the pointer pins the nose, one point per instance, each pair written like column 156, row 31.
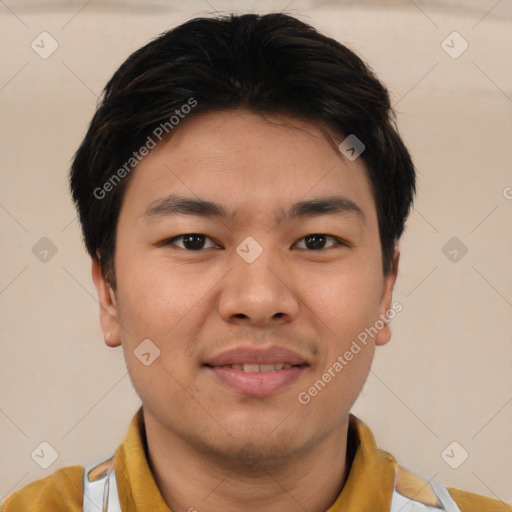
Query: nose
column 258, row 293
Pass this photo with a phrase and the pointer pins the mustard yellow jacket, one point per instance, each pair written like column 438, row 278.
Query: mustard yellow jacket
column 369, row 486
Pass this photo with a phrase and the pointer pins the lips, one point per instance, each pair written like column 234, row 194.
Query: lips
column 257, row 372
column 252, row 356
column 252, row 368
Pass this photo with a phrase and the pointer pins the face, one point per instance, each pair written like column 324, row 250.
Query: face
column 248, row 302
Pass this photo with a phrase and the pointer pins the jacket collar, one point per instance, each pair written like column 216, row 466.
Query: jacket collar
column 368, row 488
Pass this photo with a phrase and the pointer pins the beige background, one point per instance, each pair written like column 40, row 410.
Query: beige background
column 446, row 376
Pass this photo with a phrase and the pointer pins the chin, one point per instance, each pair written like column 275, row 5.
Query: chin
column 255, row 448
column 257, row 455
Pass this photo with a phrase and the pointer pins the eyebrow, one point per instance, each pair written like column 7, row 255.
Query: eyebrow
column 178, row 205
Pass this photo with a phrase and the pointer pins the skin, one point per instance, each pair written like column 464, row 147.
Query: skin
column 207, row 441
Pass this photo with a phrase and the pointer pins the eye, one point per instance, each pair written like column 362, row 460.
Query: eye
column 191, row 241
column 196, row 241
column 316, row 241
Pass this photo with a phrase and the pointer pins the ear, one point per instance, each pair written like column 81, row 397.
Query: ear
column 108, row 306
column 384, row 334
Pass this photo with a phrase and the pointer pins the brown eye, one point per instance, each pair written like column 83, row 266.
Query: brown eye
column 191, row 241
column 316, row 241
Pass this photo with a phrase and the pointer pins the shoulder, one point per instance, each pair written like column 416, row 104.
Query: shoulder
column 469, row 502
column 410, row 487
column 61, row 491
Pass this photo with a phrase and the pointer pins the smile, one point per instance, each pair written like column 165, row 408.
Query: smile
column 257, row 379
column 256, row 371
column 253, row 368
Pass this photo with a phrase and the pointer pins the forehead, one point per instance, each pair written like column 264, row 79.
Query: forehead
column 253, row 166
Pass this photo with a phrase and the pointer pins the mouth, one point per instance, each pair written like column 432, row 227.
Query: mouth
column 257, row 368
column 257, row 372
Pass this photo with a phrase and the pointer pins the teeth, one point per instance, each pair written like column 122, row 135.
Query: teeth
column 254, row 368
column 251, row 367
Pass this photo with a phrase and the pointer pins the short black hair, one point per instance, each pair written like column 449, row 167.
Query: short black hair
column 266, row 64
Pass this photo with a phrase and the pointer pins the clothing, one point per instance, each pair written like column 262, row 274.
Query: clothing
column 373, row 476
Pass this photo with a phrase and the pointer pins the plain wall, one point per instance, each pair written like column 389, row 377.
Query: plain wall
column 445, row 376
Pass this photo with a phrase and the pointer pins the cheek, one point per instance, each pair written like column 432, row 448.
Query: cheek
column 167, row 306
column 155, row 297
column 333, row 390
column 156, row 304
column 158, row 385
column 347, row 299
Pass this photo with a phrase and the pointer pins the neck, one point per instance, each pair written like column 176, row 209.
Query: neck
column 191, row 481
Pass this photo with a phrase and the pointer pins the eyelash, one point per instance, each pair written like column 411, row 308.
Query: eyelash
column 170, row 241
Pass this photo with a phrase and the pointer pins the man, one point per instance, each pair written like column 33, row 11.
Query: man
column 242, row 190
